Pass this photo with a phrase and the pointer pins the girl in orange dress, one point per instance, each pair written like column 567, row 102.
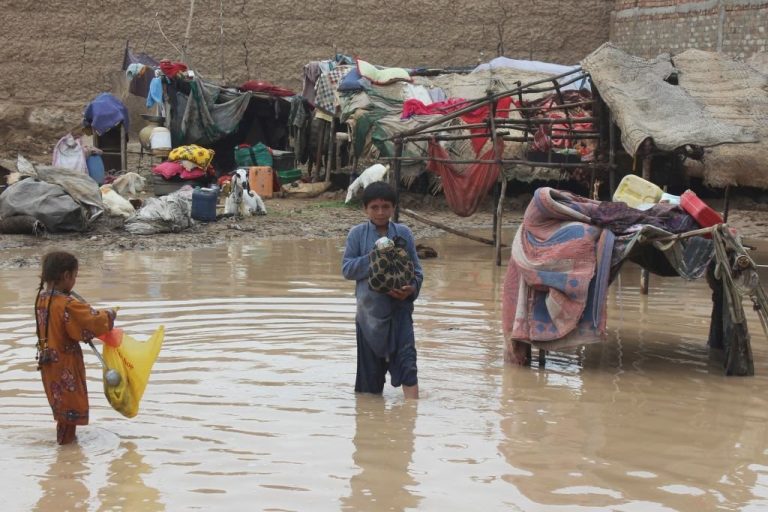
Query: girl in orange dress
column 62, row 322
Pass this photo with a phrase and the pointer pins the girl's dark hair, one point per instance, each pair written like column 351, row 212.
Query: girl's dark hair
column 55, row 264
column 379, row 190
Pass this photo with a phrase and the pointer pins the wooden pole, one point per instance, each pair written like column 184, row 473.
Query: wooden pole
column 187, row 32
column 397, row 171
column 727, row 202
column 319, row 150
column 496, row 195
column 221, row 39
column 611, row 155
column 331, row 140
column 433, row 223
column 645, row 275
column 499, row 211
column 497, row 156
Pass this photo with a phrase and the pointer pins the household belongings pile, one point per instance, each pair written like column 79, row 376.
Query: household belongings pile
column 49, row 198
column 213, row 116
column 186, row 163
column 567, row 251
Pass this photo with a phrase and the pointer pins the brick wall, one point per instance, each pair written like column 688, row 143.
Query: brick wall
column 648, row 27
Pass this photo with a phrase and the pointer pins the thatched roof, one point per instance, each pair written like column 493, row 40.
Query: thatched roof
column 719, row 104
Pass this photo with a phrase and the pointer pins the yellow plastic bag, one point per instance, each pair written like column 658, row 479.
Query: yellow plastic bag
column 133, row 360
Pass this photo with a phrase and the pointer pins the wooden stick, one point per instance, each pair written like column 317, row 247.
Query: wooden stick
column 564, row 165
column 331, row 141
column 681, row 236
column 187, row 32
column 420, row 218
column 499, row 212
column 398, row 164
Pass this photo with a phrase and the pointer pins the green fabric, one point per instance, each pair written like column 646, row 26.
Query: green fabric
column 257, row 155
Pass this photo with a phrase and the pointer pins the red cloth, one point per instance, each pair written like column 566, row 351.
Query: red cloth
column 464, row 191
column 480, row 115
column 266, row 87
column 171, row 69
column 414, row 107
column 168, row 169
column 542, row 141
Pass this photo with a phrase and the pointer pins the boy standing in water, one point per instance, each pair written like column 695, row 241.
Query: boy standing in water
column 62, row 322
column 384, row 321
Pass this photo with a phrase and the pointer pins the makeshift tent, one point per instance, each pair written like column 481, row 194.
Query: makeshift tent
column 217, row 117
column 694, row 99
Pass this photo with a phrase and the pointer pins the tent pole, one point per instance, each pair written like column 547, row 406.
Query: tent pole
column 499, row 212
column 645, row 275
column 397, row 168
column 319, row 150
column 331, row 140
column 497, row 156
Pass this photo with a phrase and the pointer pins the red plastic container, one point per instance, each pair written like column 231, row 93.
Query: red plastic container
column 697, row 209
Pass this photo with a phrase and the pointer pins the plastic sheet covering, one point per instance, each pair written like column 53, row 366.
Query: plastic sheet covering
column 465, row 185
column 21, row 225
column 133, row 360
column 46, row 202
column 167, row 214
column 210, row 113
column 81, row 187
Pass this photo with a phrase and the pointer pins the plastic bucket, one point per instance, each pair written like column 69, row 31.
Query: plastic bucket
column 95, row 166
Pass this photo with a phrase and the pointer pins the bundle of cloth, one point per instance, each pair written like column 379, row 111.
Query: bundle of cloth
column 564, row 255
column 191, row 162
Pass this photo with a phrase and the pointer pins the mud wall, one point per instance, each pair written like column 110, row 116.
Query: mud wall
column 59, row 54
column 646, row 28
column 56, row 48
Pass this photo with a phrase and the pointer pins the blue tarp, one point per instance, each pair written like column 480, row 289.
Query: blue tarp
column 104, row 113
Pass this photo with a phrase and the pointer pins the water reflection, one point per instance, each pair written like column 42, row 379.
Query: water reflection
column 63, row 487
column 127, row 487
column 384, row 439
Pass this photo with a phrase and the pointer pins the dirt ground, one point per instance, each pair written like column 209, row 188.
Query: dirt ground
column 323, row 217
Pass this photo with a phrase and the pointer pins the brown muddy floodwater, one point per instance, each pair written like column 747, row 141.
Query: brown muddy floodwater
column 251, row 404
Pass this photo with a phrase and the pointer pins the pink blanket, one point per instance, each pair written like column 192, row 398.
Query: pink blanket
column 556, row 281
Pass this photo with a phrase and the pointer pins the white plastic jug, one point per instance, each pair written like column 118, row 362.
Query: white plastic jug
column 636, row 191
column 160, row 141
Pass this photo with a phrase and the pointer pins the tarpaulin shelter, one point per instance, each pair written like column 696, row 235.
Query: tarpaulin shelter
column 214, row 116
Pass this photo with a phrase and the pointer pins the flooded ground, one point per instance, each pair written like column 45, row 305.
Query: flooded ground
column 251, row 403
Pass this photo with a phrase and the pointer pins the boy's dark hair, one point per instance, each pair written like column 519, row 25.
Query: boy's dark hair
column 379, row 190
column 55, row 264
